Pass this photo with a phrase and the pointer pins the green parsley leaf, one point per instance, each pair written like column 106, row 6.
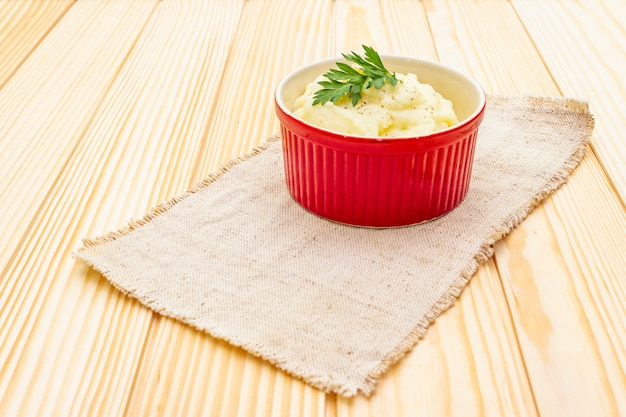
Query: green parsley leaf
column 351, row 80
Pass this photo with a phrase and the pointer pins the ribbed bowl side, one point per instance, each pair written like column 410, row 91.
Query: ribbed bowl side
column 377, row 190
column 445, row 177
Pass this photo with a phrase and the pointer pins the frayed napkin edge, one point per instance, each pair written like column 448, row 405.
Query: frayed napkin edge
column 486, row 249
column 166, row 205
column 484, row 252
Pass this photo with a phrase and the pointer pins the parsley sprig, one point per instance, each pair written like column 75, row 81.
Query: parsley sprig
column 351, row 80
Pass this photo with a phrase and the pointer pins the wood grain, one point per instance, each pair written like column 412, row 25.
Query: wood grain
column 261, row 55
column 109, row 108
column 38, row 104
column 23, row 25
column 485, row 361
column 42, row 351
column 526, row 284
column 561, row 316
column 580, row 43
column 226, row 370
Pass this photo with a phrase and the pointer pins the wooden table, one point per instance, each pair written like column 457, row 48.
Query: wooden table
column 109, row 107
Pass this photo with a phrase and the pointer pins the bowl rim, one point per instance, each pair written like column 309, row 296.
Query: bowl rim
column 477, row 114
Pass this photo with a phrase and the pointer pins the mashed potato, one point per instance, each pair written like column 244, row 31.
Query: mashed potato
column 409, row 108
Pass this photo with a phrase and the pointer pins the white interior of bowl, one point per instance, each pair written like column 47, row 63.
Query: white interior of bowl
column 466, row 95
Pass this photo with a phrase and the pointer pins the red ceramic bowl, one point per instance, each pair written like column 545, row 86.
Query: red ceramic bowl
column 381, row 182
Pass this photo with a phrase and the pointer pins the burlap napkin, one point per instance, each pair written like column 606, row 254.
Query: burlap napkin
column 331, row 304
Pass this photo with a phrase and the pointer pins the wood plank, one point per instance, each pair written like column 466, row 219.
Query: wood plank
column 23, row 24
column 573, row 335
column 588, row 243
column 473, row 345
column 135, row 136
column 487, row 39
column 262, row 53
column 124, row 129
column 228, row 381
column 587, row 36
column 395, row 27
column 465, row 365
column 39, row 104
column 150, row 120
column 46, row 106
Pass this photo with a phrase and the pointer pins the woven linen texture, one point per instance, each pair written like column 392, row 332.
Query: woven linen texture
column 332, row 304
